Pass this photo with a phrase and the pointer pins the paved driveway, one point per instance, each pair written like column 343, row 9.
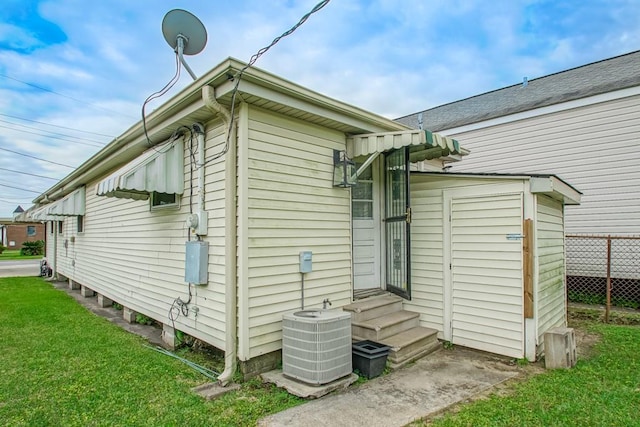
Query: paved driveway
column 17, row 268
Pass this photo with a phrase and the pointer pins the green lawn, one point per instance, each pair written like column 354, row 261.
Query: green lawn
column 15, row 254
column 62, row 365
column 601, row 391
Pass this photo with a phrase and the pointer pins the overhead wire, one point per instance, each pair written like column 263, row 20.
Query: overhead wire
column 27, row 173
column 238, row 76
column 19, row 188
column 53, row 134
column 64, row 96
column 36, row 158
column 55, row 126
column 158, row 94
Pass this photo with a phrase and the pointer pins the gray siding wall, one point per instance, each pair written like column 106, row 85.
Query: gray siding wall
column 594, row 147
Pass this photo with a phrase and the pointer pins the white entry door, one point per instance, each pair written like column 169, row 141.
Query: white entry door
column 483, row 293
column 365, row 201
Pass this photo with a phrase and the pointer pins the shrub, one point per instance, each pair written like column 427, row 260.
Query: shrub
column 2, row 248
column 32, row 248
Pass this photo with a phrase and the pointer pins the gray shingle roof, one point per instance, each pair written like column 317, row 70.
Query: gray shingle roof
column 611, row 74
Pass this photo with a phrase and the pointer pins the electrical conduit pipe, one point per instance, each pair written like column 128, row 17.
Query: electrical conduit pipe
column 209, row 98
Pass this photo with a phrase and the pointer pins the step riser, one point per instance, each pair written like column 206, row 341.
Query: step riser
column 376, row 312
column 407, row 351
column 393, row 364
column 377, row 335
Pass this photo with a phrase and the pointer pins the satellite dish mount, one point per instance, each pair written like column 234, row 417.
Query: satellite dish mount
column 185, row 34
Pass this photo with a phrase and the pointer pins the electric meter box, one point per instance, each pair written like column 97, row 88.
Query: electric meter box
column 197, row 262
column 305, row 262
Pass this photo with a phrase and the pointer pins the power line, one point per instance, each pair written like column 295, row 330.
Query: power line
column 15, row 200
column 65, row 96
column 54, row 137
column 238, row 76
column 27, row 173
column 18, row 188
column 37, row 158
column 56, row 126
column 53, row 133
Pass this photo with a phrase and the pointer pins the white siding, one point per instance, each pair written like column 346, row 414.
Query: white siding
column 135, row 256
column 551, row 296
column 595, row 148
column 292, row 206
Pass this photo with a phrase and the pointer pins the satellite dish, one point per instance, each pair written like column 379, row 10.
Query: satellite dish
column 185, row 34
column 180, row 23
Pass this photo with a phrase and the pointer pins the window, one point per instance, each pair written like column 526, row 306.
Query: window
column 60, row 227
column 164, row 200
column 52, row 227
column 80, row 223
column 362, row 196
column 31, row 230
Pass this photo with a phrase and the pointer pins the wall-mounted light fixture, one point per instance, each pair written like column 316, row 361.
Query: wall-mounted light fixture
column 344, row 170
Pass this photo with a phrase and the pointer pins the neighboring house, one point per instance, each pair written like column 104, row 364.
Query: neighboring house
column 13, row 234
column 582, row 124
column 229, row 202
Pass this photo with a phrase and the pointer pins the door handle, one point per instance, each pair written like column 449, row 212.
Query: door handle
column 408, row 216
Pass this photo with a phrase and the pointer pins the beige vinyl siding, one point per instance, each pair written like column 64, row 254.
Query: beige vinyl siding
column 486, row 274
column 427, row 239
column 551, row 307
column 136, row 256
column 291, row 206
column 594, row 148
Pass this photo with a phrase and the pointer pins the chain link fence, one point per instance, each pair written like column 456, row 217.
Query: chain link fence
column 604, row 270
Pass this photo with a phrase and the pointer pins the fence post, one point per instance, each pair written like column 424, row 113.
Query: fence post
column 608, row 307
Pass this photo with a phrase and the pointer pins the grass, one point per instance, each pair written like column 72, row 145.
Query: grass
column 601, row 391
column 62, row 365
column 15, row 254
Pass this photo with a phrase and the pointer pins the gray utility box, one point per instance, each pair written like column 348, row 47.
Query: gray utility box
column 559, row 348
column 197, row 262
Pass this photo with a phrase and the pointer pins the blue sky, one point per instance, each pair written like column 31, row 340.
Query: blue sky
column 74, row 74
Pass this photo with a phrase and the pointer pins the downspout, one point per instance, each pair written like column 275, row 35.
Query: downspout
column 230, row 185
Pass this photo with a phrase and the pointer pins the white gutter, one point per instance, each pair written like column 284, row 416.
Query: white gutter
column 231, row 290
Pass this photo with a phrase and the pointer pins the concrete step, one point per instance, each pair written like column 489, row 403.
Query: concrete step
column 372, row 307
column 384, row 326
column 411, row 344
column 418, row 354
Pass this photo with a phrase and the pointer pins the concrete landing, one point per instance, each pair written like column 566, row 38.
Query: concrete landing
column 300, row 389
column 426, row 387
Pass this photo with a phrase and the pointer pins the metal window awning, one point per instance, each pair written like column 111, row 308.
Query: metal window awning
column 160, row 169
column 423, row 145
column 73, row 204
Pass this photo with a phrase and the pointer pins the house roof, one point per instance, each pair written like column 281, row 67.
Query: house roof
column 604, row 76
column 256, row 87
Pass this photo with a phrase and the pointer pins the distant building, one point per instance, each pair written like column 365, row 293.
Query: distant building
column 13, row 234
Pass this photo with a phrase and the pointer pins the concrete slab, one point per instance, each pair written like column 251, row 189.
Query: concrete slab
column 301, row 389
column 211, row 391
column 426, row 387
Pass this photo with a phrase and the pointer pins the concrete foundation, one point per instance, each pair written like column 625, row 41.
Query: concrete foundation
column 86, row 292
column 169, row 336
column 104, row 301
column 73, row 285
column 260, row 364
column 128, row 315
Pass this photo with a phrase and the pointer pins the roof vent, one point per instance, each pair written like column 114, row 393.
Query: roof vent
column 525, row 81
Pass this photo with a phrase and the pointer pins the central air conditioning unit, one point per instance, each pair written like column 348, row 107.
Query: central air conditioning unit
column 316, row 345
